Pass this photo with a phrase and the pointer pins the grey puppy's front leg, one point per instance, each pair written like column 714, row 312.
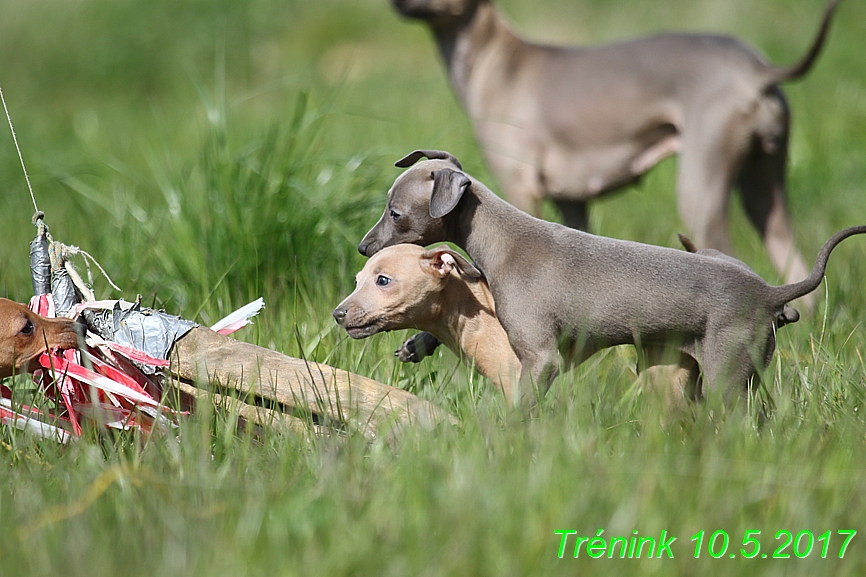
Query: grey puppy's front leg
column 416, row 348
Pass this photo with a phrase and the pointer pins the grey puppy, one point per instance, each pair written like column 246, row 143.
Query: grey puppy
column 555, row 286
column 572, row 123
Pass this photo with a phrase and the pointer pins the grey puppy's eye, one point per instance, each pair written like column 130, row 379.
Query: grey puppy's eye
column 395, row 215
column 382, row 280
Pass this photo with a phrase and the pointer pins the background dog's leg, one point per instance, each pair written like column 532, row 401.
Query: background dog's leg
column 762, row 187
column 672, row 374
column 704, row 179
column 518, row 180
column 575, row 213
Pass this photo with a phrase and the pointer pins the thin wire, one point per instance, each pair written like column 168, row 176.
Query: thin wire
column 21, row 158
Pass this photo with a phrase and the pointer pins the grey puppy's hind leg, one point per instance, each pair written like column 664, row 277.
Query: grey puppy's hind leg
column 539, row 367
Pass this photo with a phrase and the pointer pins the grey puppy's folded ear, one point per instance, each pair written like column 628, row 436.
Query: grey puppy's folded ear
column 448, row 187
column 414, row 157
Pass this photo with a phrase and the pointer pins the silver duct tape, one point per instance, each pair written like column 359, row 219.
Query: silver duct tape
column 66, row 296
column 40, row 265
column 99, row 322
column 149, row 331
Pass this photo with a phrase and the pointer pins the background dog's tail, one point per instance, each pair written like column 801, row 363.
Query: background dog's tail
column 786, row 293
column 778, row 75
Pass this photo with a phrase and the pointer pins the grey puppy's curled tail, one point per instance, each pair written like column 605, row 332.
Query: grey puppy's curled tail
column 780, row 295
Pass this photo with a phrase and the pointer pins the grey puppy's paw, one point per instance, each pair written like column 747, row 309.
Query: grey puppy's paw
column 417, row 347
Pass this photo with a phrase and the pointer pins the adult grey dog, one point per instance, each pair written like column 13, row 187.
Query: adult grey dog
column 555, row 285
column 572, row 123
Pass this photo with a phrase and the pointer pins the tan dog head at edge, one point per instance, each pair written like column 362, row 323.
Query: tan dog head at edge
column 25, row 334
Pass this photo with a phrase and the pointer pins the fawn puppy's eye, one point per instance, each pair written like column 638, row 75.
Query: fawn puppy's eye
column 395, row 215
column 28, row 328
column 382, row 280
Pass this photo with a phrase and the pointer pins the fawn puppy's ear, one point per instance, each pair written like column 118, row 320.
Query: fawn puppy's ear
column 440, row 261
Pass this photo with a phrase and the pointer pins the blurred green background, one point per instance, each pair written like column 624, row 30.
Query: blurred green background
column 210, row 152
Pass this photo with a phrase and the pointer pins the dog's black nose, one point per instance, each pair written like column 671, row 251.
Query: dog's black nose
column 340, row 316
column 369, row 246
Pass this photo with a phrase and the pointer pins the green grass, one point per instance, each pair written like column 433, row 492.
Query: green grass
column 208, row 153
